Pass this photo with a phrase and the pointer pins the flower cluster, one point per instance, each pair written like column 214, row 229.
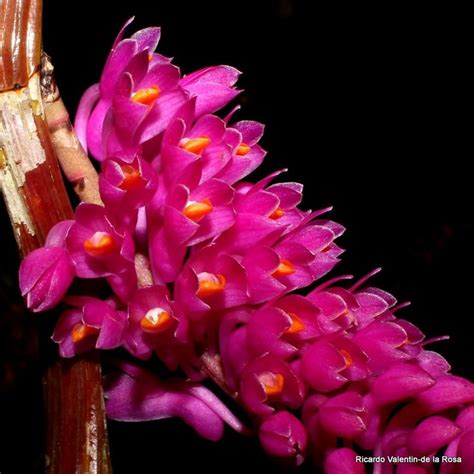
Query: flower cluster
column 201, row 268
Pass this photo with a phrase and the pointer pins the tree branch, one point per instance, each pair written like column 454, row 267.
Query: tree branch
column 36, row 199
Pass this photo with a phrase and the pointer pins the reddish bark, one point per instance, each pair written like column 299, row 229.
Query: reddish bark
column 76, row 437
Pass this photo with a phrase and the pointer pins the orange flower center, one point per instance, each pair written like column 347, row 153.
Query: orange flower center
column 99, row 244
column 277, row 213
column 272, row 383
column 347, row 358
column 197, row 210
column 156, row 320
column 210, row 284
column 146, row 96
column 284, row 268
column 296, row 324
column 82, row 331
column 242, row 149
column 132, row 178
column 195, row 145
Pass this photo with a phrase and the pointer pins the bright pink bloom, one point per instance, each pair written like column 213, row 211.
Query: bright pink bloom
column 343, row 461
column 125, row 187
column 210, row 280
column 45, row 276
column 267, row 381
column 46, row 273
column 283, row 435
column 96, row 248
column 330, row 363
column 139, row 94
column 202, row 269
column 153, row 327
column 137, row 395
column 212, row 86
column 91, row 324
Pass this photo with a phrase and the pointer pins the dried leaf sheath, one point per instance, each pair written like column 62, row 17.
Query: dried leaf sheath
column 31, row 181
column 36, row 199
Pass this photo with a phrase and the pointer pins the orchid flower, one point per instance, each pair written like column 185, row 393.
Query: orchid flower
column 215, row 275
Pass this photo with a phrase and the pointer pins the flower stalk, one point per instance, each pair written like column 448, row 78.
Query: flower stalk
column 36, row 199
column 71, row 156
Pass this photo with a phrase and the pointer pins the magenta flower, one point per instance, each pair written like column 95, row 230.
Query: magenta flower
column 342, row 461
column 202, row 271
column 137, row 395
column 210, row 280
column 92, row 323
column 401, row 382
column 96, row 248
column 145, row 91
column 330, row 363
column 153, row 327
column 185, row 143
column 125, row 187
column 46, row 273
column 212, row 87
column 45, row 276
column 283, row 435
column 267, row 381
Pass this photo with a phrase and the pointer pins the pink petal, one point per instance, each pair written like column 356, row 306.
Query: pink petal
column 343, row 461
column 431, row 435
column 400, row 382
column 84, row 110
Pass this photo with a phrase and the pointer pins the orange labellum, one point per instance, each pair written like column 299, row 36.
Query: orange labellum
column 156, row 320
column 277, row 213
column 285, row 268
column 272, row 383
column 296, row 324
column 197, row 210
column 347, row 357
column 99, row 244
column 146, row 96
column 210, row 284
column 195, row 145
column 242, row 149
column 82, row 331
column 131, row 178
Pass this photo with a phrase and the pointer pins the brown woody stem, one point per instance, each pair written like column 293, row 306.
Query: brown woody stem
column 36, row 199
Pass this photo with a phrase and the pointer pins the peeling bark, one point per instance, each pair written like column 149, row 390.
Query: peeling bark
column 32, row 186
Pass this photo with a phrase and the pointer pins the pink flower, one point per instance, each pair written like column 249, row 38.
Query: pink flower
column 125, row 187
column 202, row 271
column 45, row 276
column 267, row 381
column 210, row 280
column 212, row 86
column 343, row 461
column 91, row 324
column 138, row 395
column 401, row 382
column 153, row 327
column 46, row 273
column 145, row 92
column 330, row 363
column 95, row 247
column 283, row 435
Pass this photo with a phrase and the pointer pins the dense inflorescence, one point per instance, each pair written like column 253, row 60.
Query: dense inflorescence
column 201, row 267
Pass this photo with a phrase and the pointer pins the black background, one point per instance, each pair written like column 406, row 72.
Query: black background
column 368, row 107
